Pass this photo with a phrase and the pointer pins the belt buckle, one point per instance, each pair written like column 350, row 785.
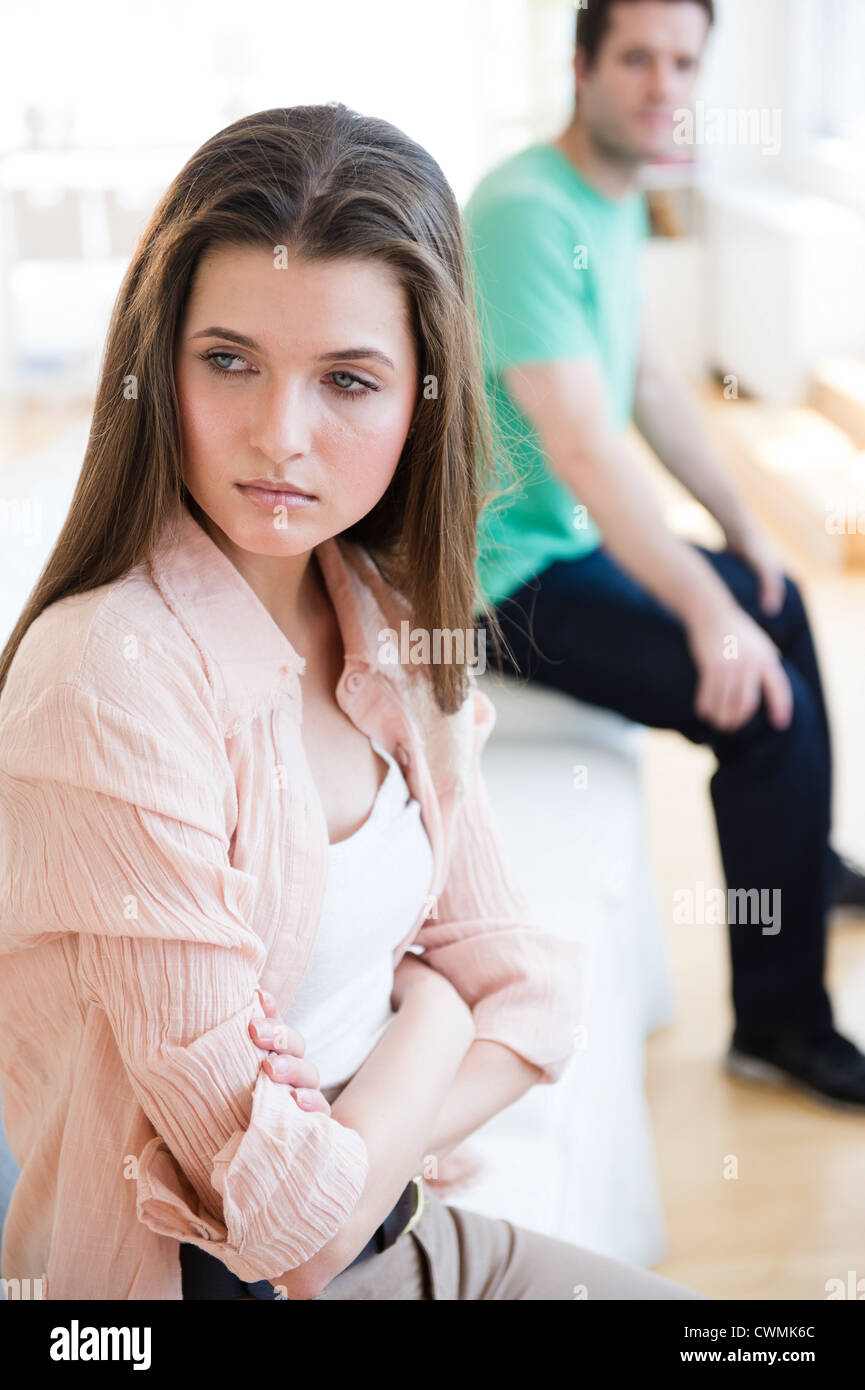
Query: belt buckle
column 422, row 1204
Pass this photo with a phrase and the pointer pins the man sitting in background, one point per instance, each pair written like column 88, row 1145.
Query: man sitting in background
column 595, row 595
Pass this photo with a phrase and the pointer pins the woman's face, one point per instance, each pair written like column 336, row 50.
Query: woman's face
column 318, row 396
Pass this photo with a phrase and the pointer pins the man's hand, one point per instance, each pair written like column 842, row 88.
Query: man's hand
column 753, row 546
column 737, row 665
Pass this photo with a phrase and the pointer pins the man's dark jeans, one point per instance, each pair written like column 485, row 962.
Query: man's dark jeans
column 584, row 627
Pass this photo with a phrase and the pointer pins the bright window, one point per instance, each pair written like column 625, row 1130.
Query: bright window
column 840, row 113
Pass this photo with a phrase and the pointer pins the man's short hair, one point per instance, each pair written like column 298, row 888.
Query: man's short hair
column 593, row 21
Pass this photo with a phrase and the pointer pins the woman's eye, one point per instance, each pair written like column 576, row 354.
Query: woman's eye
column 345, row 383
column 358, row 388
column 211, row 359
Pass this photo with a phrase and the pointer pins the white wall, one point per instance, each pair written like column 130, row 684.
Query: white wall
column 785, row 266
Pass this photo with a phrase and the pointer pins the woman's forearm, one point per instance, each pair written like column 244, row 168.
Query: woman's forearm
column 490, row 1079
column 392, row 1101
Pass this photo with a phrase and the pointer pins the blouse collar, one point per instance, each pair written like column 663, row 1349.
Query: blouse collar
column 247, row 656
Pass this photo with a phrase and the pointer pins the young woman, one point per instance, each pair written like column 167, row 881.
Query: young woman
column 225, row 816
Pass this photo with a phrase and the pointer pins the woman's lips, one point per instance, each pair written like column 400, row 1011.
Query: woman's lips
column 268, row 498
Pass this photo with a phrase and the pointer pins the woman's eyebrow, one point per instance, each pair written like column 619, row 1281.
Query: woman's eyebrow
column 243, row 341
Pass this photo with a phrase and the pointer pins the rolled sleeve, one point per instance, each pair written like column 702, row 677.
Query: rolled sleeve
column 525, row 986
column 237, row 1168
column 104, row 849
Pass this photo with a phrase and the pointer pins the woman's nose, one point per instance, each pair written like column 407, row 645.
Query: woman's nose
column 283, row 427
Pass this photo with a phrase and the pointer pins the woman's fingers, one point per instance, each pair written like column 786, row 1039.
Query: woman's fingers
column 312, row 1100
column 268, row 1003
column 284, row 1063
column 291, row 1071
column 274, row 1036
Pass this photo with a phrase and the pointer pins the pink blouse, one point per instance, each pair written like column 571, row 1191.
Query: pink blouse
column 163, row 852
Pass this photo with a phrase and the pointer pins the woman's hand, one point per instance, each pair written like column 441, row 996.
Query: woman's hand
column 284, row 1061
column 434, row 1002
column 410, row 973
column 430, row 998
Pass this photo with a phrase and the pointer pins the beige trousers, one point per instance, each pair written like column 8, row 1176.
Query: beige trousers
column 456, row 1254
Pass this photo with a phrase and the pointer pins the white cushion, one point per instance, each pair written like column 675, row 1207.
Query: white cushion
column 576, row 1159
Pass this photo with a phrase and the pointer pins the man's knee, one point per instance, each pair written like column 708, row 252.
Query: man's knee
column 794, row 605
column 800, row 738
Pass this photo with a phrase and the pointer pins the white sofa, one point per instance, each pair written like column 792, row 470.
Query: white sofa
column 576, row 1159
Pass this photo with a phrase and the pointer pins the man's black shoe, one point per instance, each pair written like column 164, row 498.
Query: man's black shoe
column 831, row 1069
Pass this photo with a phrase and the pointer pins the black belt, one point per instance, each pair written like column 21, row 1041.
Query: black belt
column 203, row 1276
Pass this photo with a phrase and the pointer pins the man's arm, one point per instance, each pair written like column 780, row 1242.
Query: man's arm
column 667, row 415
column 566, row 399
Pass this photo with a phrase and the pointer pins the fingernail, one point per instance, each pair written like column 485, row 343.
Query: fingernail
column 264, row 1029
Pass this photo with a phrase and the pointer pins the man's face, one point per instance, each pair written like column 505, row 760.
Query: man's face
column 644, row 71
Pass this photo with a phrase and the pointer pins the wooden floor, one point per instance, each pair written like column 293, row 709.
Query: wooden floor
column 794, row 1216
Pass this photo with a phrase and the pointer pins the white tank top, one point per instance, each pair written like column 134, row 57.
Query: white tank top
column 377, row 881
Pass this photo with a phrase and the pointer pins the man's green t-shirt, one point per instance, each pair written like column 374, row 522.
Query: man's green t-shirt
column 557, row 269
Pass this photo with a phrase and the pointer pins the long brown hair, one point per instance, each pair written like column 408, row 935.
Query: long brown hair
column 324, row 182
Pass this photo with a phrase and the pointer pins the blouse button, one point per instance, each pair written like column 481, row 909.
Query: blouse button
column 354, row 681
